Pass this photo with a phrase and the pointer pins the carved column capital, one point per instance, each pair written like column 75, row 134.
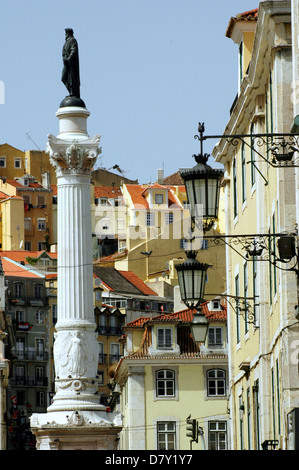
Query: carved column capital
column 78, row 155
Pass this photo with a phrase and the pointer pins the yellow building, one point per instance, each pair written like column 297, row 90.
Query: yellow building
column 165, row 377
column 260, row 201
column 151, row 225
column 34, row 216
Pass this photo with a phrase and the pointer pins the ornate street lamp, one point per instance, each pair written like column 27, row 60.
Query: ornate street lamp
column 202, row 184
column 191, row 277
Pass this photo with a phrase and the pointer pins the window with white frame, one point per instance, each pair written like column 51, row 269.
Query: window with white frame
column 217, row 435
column 39, row 346
column 216, row 383
column 114, row 352
column 165, row 383
column 164, row 338
column 150, row 219
column 18, row 162
column 20, row 316
column 41, row 224
column 27, row 223
column 105, row 223
column 169, row 218
column 166, row 435
column 159, row 199
column 2, row 162
column 40, row 398
column 39, row 317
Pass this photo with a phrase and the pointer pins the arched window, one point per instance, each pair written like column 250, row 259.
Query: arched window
column 216, row 383
column 165, row 383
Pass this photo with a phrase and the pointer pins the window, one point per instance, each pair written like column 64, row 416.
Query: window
column 216, row 383
column 164, row 338
column 237, row 307
column 150, row 219
column 104, row 201
column 169, row 218
column 245, row 272
column 217, row 435
column 166, row 435
column 27, row 224
column 38, row 291
column 159, row 199
column 26, row 198
column 41, row 224
column 41, row 246
column 40, row 398
column 18, row 162
column 39, row 375
column 54, row 314
column 252, row 154
column 235, row 193
column 165, row 383
column 114, row 352
column 39, row 317
column 39, row 345
column 215, row 336
column 20, row 348
column 243, row 173
column 204, row 245
column 28, row 246
column 20, row 316
column 18, row 290
column 101, row 353
column 40, row 200
column 2, row 162
column 105, row 224
column 122, row 245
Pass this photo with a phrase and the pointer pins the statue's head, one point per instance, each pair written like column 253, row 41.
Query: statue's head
column 69, row 32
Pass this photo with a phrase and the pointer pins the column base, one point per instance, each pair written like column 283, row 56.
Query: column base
column 76, row 430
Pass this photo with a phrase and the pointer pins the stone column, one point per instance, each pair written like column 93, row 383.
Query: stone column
column 76, row 403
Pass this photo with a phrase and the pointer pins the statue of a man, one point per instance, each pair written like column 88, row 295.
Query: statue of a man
column 70, row 55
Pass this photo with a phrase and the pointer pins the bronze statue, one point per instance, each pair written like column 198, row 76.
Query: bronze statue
column 70, row 55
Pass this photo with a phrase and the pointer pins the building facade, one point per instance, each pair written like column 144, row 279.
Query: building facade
column 263, row 329
column 165, row 377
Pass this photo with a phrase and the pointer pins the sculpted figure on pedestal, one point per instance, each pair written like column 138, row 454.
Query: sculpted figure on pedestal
column 70, row 55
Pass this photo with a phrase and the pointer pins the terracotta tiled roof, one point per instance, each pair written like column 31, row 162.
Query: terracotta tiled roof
column 17, row 184
column 174, row 179
column 250, row 15
column 183, row 316
column 138, row 191
column 21, row 255
column 12, row 269
column 110, row 192
column 136, row 281
column 122, row 281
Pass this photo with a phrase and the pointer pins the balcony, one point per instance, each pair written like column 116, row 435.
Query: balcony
column 109, row 330
column 109, row 358
column 28, row 355
column 22, row 381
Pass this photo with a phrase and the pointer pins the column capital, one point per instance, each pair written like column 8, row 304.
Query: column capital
column 75, row 155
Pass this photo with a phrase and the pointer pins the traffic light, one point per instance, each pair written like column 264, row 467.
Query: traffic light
column 192, row 429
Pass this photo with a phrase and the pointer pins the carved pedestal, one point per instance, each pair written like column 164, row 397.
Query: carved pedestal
column 75, row 410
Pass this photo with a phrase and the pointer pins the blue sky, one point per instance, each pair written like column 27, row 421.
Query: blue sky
column 150, row 71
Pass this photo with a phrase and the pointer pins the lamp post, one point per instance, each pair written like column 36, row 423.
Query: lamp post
column 202, row 184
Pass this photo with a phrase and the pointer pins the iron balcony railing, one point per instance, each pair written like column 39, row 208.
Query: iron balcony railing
column 25, row 381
